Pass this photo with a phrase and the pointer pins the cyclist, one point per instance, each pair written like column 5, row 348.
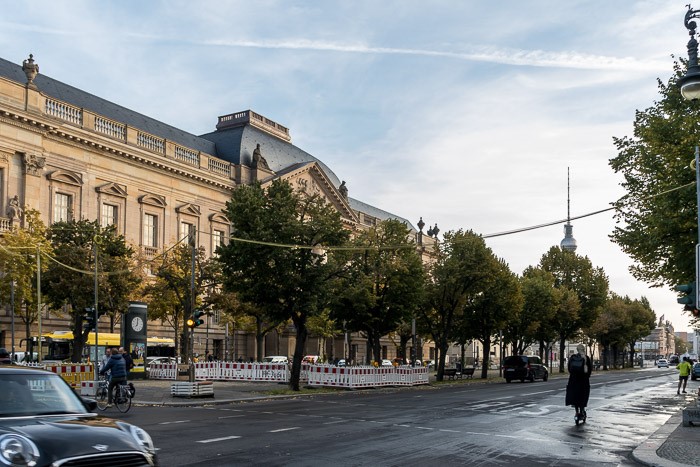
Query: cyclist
column 117, row 365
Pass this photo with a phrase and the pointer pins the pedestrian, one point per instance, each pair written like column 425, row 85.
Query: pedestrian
column 117, row 366
column 578, row 388
column 105, row 358
column 684, row 368
column 210, row 357
column 127, row 360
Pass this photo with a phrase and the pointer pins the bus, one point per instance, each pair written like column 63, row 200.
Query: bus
column 57, row 346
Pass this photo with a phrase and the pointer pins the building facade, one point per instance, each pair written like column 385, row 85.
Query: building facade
column 72, row 155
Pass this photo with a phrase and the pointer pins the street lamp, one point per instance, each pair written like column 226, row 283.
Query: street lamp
column 690, row 89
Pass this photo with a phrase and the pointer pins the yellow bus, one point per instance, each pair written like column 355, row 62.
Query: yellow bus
column 57, row 346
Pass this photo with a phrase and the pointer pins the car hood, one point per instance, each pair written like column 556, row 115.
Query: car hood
column 58, row 437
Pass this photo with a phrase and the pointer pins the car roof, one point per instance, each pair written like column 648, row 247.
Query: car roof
column 21, row 369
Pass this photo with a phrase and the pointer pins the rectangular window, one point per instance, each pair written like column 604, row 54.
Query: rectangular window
column 62, row 207
column 217, row 239
column 109, row 215
column 185, row 229
column 150, row 230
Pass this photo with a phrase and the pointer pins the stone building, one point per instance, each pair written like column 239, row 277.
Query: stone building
column 72, row 155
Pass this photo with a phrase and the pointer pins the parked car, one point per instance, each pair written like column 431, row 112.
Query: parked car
column 152, row 360
column 387, row 362
column 310, row 359
column 524, row 367
column 276, row 359
column 695, row 372
column 662, row 363
column 44, row 422
column 341, row 362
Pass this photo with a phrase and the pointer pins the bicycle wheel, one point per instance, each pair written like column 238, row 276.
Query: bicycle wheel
column 122, row 399
column 101, row 397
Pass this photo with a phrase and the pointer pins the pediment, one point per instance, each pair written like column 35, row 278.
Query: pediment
column 114, row 189
column 189, row 208
column 153, row 200
column 220, row 218
column 65, row 176
column 311, row 179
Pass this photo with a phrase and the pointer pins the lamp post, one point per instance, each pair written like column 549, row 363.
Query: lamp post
column 690, row 90
column 642, row 339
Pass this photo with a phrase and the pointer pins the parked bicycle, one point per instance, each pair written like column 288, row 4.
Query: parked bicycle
column 123, row 393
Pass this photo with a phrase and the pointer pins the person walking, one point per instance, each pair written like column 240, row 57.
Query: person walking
column 117, row 366
column 578, row 389
column 684, row 368
column 127, row 360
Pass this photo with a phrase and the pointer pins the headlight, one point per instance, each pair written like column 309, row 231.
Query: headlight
column 17, row 450
column 142, row 438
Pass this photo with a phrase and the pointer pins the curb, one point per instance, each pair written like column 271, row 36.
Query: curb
column 646, row 453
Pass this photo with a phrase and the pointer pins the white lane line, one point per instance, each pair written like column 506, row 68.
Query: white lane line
column 423, row 428
column 333, row 422
column 449, row 431
column 173, row 422
column 214, row 440
column 284, row 429
column 231, row 416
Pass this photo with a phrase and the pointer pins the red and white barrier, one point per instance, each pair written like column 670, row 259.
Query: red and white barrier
column 73, row 374
column 353, row 377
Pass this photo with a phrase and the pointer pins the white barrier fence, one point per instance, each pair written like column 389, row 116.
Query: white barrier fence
column 315, row 375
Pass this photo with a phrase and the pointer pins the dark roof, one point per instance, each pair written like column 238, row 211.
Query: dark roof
column 78, row 98
column 234, row 145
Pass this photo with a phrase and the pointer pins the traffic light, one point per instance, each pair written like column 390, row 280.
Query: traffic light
column 196, row 319
column 689, row 299
column 89, row 319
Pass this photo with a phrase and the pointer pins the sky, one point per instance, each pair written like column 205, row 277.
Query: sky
column 465, row 113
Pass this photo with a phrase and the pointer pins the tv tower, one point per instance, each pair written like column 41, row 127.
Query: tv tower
column 569, row 242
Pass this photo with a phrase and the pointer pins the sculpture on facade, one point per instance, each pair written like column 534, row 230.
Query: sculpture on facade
column 30, row 69
column 14, row 210
column 259, row 161
column 343, row 190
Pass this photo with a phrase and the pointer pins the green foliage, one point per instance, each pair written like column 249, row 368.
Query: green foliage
column 286, row 282
column 657, row 218
column 70, row 277
column 383, row 283
column 540, row 302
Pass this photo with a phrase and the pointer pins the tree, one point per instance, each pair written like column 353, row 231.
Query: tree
column 75, row 244
column 170, row 295
column 18, row 263
column 383, row 284
column 489, row 307
column 574, row 274
column 458, row 272
column 657, row 218
column 269, row 261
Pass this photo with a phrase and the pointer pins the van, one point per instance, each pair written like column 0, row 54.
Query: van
column 524, row 367
column 276, row 359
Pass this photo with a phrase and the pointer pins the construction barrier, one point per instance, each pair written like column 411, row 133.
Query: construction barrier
column 73, row 374
column 353, row 377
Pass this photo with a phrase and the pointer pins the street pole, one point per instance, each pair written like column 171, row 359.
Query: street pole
column 12, row 325
column 413, row 343
column 193, row 241
column 94, row 311
column 38, row 298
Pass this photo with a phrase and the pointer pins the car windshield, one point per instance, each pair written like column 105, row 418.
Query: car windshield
column 37, row 394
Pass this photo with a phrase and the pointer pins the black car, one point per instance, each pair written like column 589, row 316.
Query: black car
column 695, row 372
column 524, row 367
column 44, row 422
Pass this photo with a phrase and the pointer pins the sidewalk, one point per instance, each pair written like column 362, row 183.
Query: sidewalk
column 671, row 445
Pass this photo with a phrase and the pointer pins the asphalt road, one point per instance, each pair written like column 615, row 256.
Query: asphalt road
column 491, row 424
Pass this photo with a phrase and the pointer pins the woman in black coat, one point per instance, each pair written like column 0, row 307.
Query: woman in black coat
column 579, row 387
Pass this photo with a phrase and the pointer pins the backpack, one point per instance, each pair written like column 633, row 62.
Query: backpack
column 577, row 364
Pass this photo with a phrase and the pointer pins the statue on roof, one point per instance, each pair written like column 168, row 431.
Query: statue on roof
column 30, row 69
column 14, row 210
column 343, row 190
column 258, row 159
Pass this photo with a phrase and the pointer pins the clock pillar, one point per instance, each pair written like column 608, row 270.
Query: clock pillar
column 134, row 327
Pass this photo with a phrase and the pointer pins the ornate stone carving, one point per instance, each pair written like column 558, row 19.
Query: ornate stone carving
column 30, row 69
column 259, row 161
column 14, row 210
column 33, row 164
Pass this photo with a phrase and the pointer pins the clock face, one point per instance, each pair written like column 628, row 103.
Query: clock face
column 137, row 324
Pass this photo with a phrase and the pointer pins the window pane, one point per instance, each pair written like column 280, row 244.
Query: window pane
column 109, row 215
column 61, row 207
column 150, row 230
column 185, row 230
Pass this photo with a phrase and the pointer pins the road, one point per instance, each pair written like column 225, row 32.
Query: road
column 482, row 424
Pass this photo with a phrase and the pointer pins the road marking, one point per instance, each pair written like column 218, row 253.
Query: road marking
column 231, row 416
column 539, row 392
column 449, row 431
column 173, row 422
column 284, row 429
column 423, row 428
column 335, row 421
column 214, row 440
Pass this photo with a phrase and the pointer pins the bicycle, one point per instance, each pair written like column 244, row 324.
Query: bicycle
column 121, row 398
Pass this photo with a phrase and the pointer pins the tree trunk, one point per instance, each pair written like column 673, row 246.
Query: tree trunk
column 486, row 347
column 302, row 334
column 562, row 349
